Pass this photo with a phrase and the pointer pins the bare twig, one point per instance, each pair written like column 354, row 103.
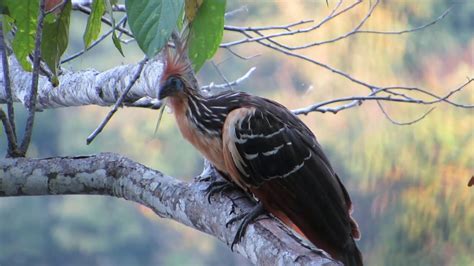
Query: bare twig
column 340, row 37
column 398, row 123
column 240, row 56
column 275, row 27
column 357, row 30
column 8, row 88
column 308, row 59
column 331, row 16
column 11, row 138
column 358, row 100
column 229, row 84
column 96, row 42
column 222, row 75
column 118, row 103
column 116, row 8
column 104, row 19
column 234, row 12
column 31, row 103
column 437, row 98
column 442, row 16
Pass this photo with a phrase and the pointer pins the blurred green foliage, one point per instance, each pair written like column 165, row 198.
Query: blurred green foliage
column 408, row 183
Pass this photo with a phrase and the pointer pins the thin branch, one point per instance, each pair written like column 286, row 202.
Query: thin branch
column 96, row 42
column 276, row 27
column 240, row 56
column 118, row 103
column 222, row 75
column 229, row 84
column 104, row 19
column 308, row 59
column 442, row 16
column 340, row 37
column 357, row 30
column 331, row 16
column 116, row 7
column 11, row 138
column 358, row 100
column 438, row 98
column 395, row 122
column 354, row 31
column 234, row 12
column 7, row 85
column 31, row 104
column 354, row 101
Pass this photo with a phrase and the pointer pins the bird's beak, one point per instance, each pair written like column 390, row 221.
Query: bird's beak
column 165, row 90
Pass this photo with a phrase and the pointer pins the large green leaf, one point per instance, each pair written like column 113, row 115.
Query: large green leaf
column 25, row 14
column 55, row 37
column 152, row 22
column 94, row 22
column 206, row 32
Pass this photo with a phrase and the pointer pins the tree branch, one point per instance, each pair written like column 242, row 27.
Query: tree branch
column 88, row 87
column 31, row 96
column 6, row 79
column 11, row 139
column 119, row 101
column 267, row 241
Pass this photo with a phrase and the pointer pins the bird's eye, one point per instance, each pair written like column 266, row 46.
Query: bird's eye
column 176, row 83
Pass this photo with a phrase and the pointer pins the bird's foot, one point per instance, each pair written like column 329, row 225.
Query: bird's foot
column 246, row 218
column 218, row 187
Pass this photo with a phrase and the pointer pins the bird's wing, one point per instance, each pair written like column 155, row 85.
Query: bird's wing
column 272, row 154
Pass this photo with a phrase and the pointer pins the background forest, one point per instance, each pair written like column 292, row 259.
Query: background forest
column 408, row 183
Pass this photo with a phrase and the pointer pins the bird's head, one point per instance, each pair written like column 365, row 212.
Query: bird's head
column 178, row 79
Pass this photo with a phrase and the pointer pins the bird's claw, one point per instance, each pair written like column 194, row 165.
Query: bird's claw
column 218, row 187
column 246, row 218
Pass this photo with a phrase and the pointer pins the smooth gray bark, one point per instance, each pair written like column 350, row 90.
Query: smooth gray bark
column 87, row 87
column 266, row 242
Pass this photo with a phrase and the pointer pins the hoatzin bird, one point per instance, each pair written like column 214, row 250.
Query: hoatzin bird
column 263, row 148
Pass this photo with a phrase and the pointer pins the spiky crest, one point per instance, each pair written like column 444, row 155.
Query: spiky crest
column 177, row 62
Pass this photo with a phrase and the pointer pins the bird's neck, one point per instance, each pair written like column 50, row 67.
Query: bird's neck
column 200, row 126
column 205, row 115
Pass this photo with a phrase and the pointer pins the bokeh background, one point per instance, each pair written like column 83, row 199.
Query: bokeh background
column 409, row 183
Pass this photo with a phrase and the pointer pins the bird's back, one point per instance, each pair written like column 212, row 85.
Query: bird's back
column 277, row 158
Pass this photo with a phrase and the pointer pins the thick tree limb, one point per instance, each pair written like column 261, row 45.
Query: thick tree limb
column 267, row 241
column 88, row 87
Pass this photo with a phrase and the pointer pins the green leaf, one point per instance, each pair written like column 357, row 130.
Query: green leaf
column 94, row 22
column 117, row 43
column 115, row 39
column 191, row 8
column 25, row 14
column 206, row 32
column 152, row 22
column 3, row 8
column 6, row 24
column 55, row 37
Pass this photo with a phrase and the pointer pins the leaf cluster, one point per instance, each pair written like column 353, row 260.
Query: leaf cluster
column 150, row 21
